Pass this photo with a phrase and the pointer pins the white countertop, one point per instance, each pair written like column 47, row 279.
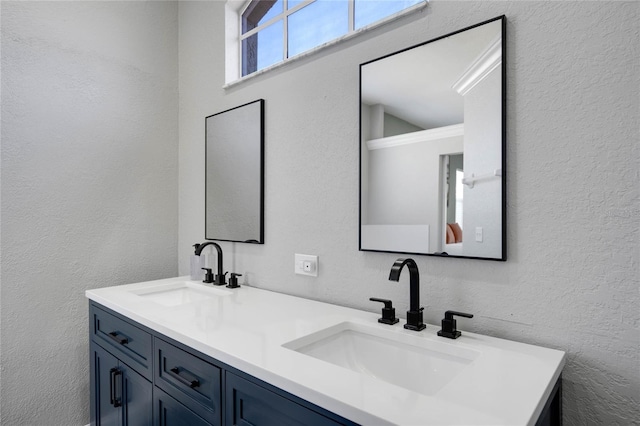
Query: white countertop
column 507, row 384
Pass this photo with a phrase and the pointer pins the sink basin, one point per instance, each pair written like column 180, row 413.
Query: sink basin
column 179, row 293
column 416, row 363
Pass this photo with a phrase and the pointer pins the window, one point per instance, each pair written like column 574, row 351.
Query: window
column 274, row 30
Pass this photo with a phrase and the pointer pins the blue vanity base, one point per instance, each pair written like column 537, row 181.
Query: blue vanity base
column 141, row 377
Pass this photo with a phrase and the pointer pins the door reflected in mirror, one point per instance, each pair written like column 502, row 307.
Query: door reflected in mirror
column 432, row 140
column 453, row 203
column 234, row 194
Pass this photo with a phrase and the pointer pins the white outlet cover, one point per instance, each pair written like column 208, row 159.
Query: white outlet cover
column 311, row 263
column 478, row 234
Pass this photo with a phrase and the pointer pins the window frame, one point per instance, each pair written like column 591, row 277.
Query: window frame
column 284, row 16
column 234, row 37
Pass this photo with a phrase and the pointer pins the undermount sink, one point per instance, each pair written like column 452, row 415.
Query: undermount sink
column 179, row 293
column 419, row 364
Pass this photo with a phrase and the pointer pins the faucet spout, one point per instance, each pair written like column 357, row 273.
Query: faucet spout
column 414, row 314
column 414, row 280
column 220, row 278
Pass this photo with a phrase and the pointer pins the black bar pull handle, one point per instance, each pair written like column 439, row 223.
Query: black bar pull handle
column 114, row 373
column 120, row 340
column 184, row 377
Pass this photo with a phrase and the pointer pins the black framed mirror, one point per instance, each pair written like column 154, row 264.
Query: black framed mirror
column 234, row 174
column 432, row 147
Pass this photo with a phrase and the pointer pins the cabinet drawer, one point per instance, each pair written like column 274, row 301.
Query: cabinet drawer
column 250, row 404
column 189, row 379
column 169, row 412
column 130, row 343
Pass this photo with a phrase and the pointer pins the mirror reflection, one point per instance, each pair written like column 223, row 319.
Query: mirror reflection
column 234, row 194
column 432, row 147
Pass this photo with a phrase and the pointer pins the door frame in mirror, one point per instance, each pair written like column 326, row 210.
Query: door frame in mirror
column 503, row 256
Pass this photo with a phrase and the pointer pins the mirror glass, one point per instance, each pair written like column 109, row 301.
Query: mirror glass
column 234, row 181
column 432, row 143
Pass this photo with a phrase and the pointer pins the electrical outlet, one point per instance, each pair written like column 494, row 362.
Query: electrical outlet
column 306, row 264
column 478, row 234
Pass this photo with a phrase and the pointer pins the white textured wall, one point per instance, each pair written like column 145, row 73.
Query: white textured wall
column 89, row 184
column 571, row 279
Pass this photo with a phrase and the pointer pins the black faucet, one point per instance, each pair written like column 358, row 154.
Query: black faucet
column 220, row 277
column 414, row 314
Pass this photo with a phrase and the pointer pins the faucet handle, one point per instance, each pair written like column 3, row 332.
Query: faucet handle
column 388, row 312
column 208, row 276
column 233, row 280
column 449, row 324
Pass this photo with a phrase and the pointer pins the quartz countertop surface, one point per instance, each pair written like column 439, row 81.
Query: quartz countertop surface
column 507, row 384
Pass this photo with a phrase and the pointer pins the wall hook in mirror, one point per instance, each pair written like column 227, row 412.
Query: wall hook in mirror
column 470, row 181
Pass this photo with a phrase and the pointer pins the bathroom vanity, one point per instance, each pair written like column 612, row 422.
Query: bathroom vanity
column 176, row 351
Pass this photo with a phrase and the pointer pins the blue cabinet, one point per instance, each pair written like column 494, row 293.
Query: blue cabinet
column 119, row 395
column 104, row 409
column 126, row 340
column 193, row 380
column 169, row 412
column 141, row 377
column 249, row 404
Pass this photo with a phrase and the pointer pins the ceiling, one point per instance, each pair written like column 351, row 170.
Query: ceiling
column 416, row 85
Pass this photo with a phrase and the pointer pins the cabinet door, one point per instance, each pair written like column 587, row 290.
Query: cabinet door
column 248, row 404
column 170, row 412
column 119, row 395
column 105, row 410
column 137, row 398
